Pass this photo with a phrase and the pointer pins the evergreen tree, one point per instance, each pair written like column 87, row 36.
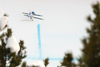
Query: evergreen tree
column 46, row 62
column 67, row 60
column 24, row 64
column 80, row 60
column 5, row 54
column 74, row 65
column 91, row 44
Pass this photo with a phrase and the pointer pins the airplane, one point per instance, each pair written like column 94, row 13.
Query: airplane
column 32, row 15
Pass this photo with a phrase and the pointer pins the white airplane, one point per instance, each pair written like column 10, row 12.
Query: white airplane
column 32, row 15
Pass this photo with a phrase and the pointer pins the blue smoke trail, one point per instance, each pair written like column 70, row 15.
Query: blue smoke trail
column 51, row 59
column 39, row 41
column 40, row 51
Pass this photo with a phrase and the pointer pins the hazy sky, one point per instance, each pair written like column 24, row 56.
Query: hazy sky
column 61, row 30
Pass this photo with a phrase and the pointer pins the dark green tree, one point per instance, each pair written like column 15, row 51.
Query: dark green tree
column 24, row 64
column 74, row 65
column 67, row 60
column 5, row 54
column 46, row 61
column 91, row 44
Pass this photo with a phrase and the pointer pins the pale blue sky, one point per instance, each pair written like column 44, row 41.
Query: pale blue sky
column 62, row 29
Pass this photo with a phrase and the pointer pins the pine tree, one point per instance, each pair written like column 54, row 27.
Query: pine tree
column 5, row 54
column 24, row 64
column 91, row 44
column 67, row 60
column 80, row 60
column 46, row 62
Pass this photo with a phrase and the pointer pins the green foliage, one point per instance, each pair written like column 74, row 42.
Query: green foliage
column 5, row 14
column 91, row 44
column 67, row 60
column 5, row 54
column 35, row 66
column 74, row 65
column 80, row 60
column 46, row 62
column 24, row 64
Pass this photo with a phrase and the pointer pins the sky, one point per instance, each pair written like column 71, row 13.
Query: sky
column 63, row 27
